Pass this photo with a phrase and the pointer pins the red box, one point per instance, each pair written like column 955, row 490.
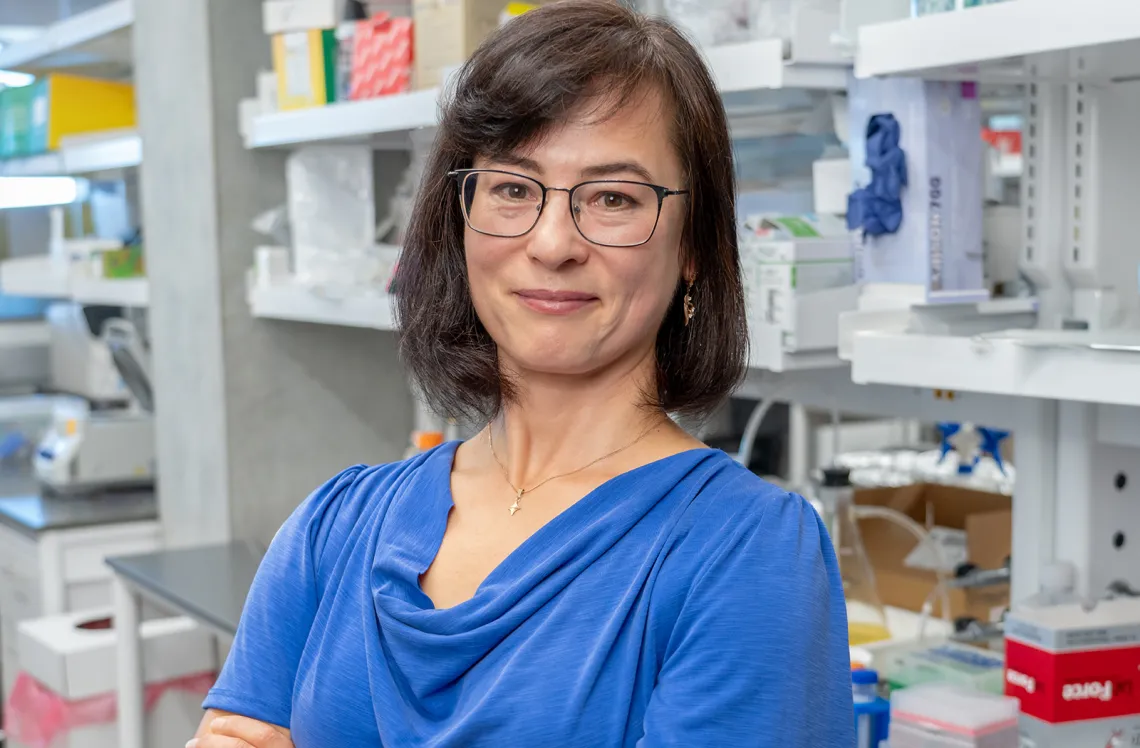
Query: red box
column 381, row 57
column 1067, row 664
column 1073, row 686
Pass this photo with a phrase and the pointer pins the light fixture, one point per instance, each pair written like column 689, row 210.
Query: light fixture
column 15, row 79
column 35, row 192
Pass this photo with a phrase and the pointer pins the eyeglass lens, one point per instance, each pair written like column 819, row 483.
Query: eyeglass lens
column 610, row 213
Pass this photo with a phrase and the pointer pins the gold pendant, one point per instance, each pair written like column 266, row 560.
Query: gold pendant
column 515, row 506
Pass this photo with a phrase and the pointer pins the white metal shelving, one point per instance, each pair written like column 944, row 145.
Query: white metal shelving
column 96, row 42
column 41, row 277
column 134, row 292
column 35, row 277
column 1055, row 365
column 85, row 154
column 766, row 64
column 385, row 122
column 293, row 302
column 382, row 121
column 994, row 42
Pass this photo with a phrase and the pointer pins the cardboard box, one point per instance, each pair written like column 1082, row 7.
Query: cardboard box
column 447, row 32
column 283, row 16
column 987, row 520
column 37, row 117
column 305, row 63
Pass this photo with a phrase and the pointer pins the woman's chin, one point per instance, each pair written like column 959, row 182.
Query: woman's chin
column 557, row 362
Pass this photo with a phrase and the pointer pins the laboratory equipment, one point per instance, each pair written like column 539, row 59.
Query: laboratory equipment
column 872, row 713
column 23, row 422
column 81, row 363
column 909, row 664
column 866, row 618
column 938, row 715
column 1075, row 667
column 91, row 447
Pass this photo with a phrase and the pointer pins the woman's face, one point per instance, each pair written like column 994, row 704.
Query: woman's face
column 554, row 302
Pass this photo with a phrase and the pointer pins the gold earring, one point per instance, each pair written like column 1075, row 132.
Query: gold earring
column 689, row 307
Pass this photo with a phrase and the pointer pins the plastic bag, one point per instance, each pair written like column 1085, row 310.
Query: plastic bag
column 332, row 212
column 35, row 715
column 713, row 22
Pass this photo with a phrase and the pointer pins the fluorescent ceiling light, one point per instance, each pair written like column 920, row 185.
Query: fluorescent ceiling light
column 14, row 79
column 34, row 192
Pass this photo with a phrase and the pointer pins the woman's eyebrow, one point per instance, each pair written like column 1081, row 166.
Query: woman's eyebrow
column 618, row 167
column 513, row 159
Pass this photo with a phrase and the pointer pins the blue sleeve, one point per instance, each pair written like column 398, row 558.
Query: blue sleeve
column 259, row 674
column 759, row 653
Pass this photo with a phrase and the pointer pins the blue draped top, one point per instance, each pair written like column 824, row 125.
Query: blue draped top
column 684, row 603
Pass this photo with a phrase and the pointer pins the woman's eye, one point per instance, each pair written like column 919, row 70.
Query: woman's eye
column 514, row 191
column 615, row 200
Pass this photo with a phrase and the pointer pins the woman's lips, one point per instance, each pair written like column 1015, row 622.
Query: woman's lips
column 546, row 301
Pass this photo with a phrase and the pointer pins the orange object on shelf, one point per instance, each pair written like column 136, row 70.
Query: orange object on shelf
column 1005, row 141
column 381, row 57
column 425, row 440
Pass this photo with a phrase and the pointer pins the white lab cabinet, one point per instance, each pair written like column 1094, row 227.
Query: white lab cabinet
column 59, row 571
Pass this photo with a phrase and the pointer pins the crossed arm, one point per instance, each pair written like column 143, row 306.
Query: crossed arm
column 225, row 730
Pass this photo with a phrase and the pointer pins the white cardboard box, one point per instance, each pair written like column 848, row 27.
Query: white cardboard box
column 777, row 273
column 282, row 16
column 77, row 663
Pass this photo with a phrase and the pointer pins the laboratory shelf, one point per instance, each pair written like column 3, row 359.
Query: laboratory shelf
column 1010, row 40
column 134, row 292
column 35, row 277
column 85, row 154
column 1080, row 366
column 769, row 64
column 95, row 42
column 384, row 121
column 42, row 278
column 293, row 302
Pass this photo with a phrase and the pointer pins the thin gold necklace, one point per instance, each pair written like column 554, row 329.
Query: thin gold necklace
column 520, row 491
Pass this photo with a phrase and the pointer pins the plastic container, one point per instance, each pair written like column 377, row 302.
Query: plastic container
column 872, row 714
column 944, row 716
column 866, row 618
column 912, row 664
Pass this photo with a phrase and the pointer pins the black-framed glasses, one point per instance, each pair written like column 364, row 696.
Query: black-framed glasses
column 610, row 212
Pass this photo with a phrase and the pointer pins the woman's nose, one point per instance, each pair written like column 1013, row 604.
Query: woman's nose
column 555, row 240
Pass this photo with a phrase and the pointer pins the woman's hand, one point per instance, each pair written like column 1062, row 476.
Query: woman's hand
column 232, row 731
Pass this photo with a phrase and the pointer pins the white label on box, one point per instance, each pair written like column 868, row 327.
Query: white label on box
column 949, row 542
column 298, row 80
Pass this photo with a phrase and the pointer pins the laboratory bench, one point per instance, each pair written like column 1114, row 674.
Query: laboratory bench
column 52, row 552
column 207, row 583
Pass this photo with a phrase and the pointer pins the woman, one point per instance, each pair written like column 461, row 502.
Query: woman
column 582, row 572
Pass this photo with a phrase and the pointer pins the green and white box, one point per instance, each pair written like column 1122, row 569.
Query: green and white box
column 780, row 273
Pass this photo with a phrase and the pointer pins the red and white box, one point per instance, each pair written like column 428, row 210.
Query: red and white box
column 1076, row 673
column 381, row 57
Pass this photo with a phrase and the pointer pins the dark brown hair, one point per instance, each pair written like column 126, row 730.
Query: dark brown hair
column 527, row 77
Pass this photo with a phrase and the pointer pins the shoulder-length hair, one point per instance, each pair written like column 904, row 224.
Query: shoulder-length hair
column 528, row 76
